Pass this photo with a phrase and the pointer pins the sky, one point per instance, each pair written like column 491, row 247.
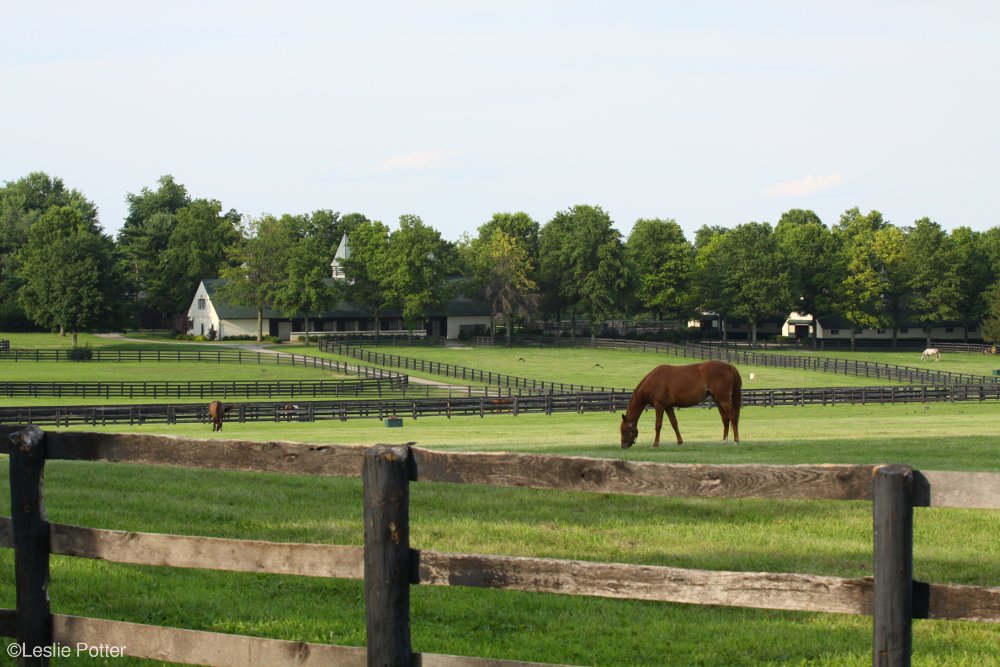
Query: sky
column 708, row 113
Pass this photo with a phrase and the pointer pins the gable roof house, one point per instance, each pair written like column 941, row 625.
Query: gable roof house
column 209, row 311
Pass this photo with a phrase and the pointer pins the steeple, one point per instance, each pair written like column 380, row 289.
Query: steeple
column 343, row 252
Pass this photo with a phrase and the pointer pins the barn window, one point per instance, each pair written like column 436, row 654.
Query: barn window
column 834, row 332
column 904, row 330
column 949, row 329
column 201, row 304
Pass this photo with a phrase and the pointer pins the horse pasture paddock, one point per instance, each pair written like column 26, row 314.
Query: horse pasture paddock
column 389, row 567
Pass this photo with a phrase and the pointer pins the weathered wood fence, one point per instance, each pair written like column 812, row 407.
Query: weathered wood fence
column 389, row 566
column 213, row 356
column 418, row 401
column 207, row 389
column 849, row 367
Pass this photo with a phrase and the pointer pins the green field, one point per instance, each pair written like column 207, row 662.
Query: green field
column 817, row 537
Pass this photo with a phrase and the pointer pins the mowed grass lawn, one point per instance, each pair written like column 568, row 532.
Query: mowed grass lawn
column 829, row 538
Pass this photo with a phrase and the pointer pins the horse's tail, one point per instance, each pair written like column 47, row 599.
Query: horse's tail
column 737, row 393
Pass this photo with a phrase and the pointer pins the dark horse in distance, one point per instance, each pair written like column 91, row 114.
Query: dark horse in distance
column 216, row 410
column 666, row 387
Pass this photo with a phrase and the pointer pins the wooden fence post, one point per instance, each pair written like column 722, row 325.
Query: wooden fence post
column 31, row 544
column 388, row 568
column 892, row 493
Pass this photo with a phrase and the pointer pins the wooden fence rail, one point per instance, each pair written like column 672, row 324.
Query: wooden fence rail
column 878, row 371
column 425, row 401
column 451, row 370
column 211, row 356
column 388, row 566
column 207, row 389
column 754, row 357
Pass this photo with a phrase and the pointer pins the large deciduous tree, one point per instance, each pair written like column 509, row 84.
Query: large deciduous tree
column 662, row 261
column 197, row 250
column 22, row 203
column 259, row 259
column 70, row 274
column 417, row 269
column 975, row 274
column 143, row 240
column 306, row 286
column 368, row 267
column 815, row 267
column 743, row 274
column 932, row 273
column 871, row 251
column 582, row 264
column 501, row 267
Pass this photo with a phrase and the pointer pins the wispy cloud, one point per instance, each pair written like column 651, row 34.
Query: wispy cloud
column 806, row 186
column 432, row 159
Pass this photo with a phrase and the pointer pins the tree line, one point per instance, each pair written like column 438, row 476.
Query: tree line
column 59, row 270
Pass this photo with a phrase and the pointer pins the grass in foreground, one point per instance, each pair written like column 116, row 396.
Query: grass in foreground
column 832, row 538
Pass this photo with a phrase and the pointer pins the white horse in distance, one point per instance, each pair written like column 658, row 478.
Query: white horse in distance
column 930, row 352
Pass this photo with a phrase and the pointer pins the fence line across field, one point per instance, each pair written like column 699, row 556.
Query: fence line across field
column 389, row 567
column 216, row 356
column 468, row 401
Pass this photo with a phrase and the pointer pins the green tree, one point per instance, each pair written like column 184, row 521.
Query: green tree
column 306, row 286
column 197, row 250
column 142, row 241
column 582, row 265
column 975, row 274
column 932, row 273
column 743, row 274
column 501, row 266
column 417, row 269
column 71, row 278
column 259, row 264
column 368, row 267
column 861, row 299
column 662, row 261
column 520, row 227
column 22, row 203
column 813, row 257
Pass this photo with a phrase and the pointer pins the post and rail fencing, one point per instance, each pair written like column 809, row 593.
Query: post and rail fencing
column 868, row 369
column 188, row 356
column 465, row 401
column 388, row 565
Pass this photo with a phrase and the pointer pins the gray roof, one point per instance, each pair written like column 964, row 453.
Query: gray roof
column 457, row 307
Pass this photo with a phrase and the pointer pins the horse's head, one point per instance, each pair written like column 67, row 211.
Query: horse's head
column 629, row 433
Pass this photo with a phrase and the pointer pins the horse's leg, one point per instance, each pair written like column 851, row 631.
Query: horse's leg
column 729, row 416
column 724, row 413
column 673, row 422
column 659, row 423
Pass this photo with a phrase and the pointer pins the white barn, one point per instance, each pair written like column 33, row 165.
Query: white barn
column 210, row 312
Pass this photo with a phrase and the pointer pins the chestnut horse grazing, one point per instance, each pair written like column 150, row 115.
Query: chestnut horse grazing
column 216, row 410
column 667, row 387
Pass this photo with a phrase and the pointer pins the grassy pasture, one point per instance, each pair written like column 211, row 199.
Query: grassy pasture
column 831, row 538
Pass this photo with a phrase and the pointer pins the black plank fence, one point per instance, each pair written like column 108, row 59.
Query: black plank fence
column 427, row 401
column 389, row 566
column 214, row 356
column 207, row 389
column 878, row 371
